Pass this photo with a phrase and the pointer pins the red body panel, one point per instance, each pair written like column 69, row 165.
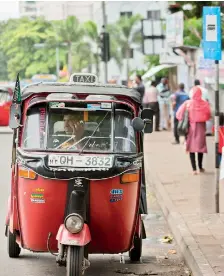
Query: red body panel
column 4, row 111
column 8, row 211
column 38, row 219
column 13, row 211
column 112, row 224
column 80, row 239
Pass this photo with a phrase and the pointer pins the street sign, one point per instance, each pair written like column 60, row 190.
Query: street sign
column 212, row 33
column 175, row 29
column 84, row 78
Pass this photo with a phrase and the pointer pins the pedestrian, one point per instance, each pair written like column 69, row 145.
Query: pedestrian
column 178, row 99
column 112, row 81
column 164, row 103
column 140, row 86
column 205, row 96
column 203, row 90
column 198, row 113
column 150, row 100
column 221, row 134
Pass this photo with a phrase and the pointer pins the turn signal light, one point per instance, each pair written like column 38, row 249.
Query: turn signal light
column 130, row 177
column 24, row 173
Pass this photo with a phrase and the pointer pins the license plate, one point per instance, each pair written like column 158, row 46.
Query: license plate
column 55, row 160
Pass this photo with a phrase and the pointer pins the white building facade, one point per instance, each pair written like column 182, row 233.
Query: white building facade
column 153, row 10
column 57, row 10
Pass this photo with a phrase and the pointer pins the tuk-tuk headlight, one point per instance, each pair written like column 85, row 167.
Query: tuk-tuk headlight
column 74, row 223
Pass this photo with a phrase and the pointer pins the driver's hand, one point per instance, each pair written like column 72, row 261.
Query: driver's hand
column 75, row 127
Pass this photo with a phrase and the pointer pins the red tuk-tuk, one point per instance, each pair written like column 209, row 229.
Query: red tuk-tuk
column 78, row 184
column 6, row 92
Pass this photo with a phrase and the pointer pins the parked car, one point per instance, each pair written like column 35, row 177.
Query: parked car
column 6, row 93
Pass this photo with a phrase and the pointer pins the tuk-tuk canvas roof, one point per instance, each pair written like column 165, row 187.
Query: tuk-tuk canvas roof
column 97, row 89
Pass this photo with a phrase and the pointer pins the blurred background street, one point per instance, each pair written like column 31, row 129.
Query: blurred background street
column 152, row 47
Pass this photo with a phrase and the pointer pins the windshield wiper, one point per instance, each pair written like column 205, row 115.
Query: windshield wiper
column 93, row 132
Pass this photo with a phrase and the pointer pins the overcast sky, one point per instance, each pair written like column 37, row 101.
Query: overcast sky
column 9, row 9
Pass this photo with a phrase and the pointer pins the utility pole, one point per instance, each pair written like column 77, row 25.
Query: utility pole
column 212, row 47
column 217, row 134
column 57, row 62
column 104, row 30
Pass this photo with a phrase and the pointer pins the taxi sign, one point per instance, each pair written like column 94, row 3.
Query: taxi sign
column 83, row 78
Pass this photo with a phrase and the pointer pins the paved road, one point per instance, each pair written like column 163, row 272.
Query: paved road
column 156, row 257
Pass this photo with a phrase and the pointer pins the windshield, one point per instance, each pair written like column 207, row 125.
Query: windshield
column 79, row 129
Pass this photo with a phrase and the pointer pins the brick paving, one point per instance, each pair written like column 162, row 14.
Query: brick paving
column 188, row 202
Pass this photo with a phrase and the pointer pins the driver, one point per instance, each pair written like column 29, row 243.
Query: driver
column 73, row 127
column 73, row 134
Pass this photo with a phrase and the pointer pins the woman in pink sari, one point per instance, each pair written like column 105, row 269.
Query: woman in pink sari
column 199, row 112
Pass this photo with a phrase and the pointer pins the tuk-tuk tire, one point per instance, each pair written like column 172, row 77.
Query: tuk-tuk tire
column 75, row 257
column 13, row 247
column 136, row 252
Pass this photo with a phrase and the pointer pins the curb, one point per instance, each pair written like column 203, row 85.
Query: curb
column 5, row 130
column 189, row 248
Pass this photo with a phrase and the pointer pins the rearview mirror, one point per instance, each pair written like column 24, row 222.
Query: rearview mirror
column 15, row 116
column 138, row 124
column 147, row 117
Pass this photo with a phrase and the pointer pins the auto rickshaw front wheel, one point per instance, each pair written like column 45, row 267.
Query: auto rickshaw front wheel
column 75, row 258
column 136, row 252
column 13, row 247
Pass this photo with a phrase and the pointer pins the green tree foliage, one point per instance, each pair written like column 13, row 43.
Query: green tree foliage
column 195, row 8
column 29, row 46
column 92, row 35
column 193, row 31
column 152, row 61
column 71, row 32
column 124, row 34
column 80, row 60
column 18, row 42
column 3, row 57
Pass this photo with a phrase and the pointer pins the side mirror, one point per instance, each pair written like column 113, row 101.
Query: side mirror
column 15, row 116
column 137, row 124
column 147, row 117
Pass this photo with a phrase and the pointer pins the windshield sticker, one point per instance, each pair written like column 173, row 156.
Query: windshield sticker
column 39, row 190
column 93, row 106
column 37, row 198
column 116, row 198
column 116, row 192
column 56, row 105
column 42, row 125
column 106, row 105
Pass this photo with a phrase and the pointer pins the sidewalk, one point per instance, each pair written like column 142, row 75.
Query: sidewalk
column 188, row 202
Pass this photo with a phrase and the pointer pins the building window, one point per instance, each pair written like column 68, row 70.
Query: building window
column 30, row 9
column 128, row 14
column 131, row 53
column 154, row 15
